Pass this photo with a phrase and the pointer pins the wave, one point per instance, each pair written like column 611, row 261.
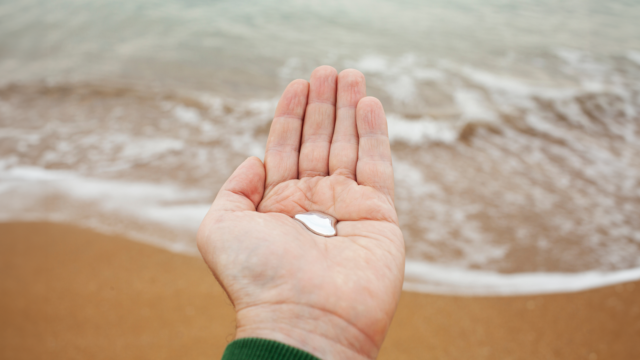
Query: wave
column 505, row 184
column 168, row 217
column 429, row 278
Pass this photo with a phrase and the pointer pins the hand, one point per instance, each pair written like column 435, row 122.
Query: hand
column 332, row 297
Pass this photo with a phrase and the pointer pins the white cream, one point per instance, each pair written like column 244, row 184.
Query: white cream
column 318, row 223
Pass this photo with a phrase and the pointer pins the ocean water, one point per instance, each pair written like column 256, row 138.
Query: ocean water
column 515, row 125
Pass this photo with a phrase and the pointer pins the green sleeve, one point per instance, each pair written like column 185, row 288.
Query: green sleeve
column 262, row 349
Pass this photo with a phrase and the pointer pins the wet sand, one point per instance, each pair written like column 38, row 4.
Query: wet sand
column 71, row 293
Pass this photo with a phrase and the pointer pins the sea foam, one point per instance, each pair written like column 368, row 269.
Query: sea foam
column 26, row 193
column 504, row 184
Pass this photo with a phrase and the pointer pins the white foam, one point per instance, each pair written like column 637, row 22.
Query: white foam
column 371, row 63
column 474, row 107
column 428, row 74
column 447, row 228
column 143, row 148
column 634, row 56
column 107, row 201
column 513, row 86
column 402, row 88
column 290, row 68
column 421, row 276
column 420, row 130
column 179, row 208
column 187, row 114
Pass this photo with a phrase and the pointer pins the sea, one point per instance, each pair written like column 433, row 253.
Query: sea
column 514, row 124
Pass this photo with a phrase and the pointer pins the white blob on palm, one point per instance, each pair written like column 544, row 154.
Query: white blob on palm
column 318, row 223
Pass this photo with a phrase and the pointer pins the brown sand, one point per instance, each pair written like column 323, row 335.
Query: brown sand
column 69, row 293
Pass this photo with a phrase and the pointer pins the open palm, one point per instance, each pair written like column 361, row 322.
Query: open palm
column 328, row 151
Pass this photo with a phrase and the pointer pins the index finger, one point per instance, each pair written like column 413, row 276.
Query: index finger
column 283, row 145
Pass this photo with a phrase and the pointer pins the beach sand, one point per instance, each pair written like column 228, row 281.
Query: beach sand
column 71, row 293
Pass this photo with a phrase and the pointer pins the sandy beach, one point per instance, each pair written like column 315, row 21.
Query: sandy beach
column 71, row 293
column 514, row 131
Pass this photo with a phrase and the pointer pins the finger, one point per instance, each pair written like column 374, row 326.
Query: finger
column 281, row 156
column 244, row 189
column 374, row 152
column 318, row 123
column 344, row 145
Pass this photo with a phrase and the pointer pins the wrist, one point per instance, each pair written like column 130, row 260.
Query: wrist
column 313, row 330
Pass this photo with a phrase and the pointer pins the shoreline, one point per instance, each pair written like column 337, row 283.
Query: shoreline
column 74, row 293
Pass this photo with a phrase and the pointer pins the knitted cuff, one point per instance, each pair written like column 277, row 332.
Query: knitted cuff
column 263, row 349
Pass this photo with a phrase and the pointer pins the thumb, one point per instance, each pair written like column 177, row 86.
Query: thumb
column 244, row 189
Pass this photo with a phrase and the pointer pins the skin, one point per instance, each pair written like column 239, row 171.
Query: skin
column 328, row 151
